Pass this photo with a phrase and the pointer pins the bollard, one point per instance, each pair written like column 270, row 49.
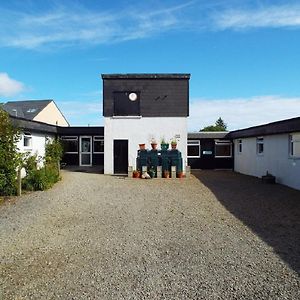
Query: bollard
column 159, row 172
column 173, row 172
column 187, row 171
column 130, row 171
column 19, row 182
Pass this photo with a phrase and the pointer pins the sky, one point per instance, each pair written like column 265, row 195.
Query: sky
column 243, row 56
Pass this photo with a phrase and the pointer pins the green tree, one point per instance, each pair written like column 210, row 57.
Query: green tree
column 220, row 125
column 9, row 156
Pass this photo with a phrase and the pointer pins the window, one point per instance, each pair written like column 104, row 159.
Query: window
column 260, row 145
column 193, row 149
column 98, row 144
column 27, row 140
column 295, row 145
column 223, row 149
column 240, row 146
column 70, row 144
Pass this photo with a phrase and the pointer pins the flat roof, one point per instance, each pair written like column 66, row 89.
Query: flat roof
column 278, row 127
column 208, row 135
column 147, row 76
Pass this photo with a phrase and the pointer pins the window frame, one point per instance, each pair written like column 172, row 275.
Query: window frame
column 71, row 138
column 240, row 146
column 98, row 138
column 223, row 142
column 260, row 141
column 196, row 143
column 27, row 135
column 291, row 143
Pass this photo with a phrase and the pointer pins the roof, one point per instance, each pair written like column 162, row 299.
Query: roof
column 35, row 126
column 147, row 76
column 208, row 135
column 284, row 126
column 28, row 109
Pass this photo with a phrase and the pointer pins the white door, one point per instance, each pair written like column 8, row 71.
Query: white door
column 85, row 156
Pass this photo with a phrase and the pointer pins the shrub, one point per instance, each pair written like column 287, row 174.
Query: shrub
column 9, row 157
column 45, row 177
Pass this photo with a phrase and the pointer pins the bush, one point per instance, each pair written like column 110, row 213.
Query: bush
column 45, row 177
column 9, row 156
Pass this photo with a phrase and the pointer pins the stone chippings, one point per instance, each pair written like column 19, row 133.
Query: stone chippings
column 101, row 237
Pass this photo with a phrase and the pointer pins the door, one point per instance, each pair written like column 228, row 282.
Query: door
column 85, row 156
column 120, row 156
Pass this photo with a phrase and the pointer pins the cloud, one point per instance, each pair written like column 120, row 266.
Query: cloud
column 266, row 16
column 69, row 26
column 9, row 86
column 82, row 113
column 242, row 112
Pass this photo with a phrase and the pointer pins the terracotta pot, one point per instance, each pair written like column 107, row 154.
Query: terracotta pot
column 136, row 174
column 173, row 145
column 180, row 175
column 166, row 174
column 142, row 146
column 154, row 146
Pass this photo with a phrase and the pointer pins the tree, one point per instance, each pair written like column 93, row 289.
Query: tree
column 220, row 125
column 9, row 156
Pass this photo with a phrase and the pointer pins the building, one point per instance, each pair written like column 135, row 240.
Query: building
column 272, row 148
column 210, row 150
column 45, row 111
column 139, row 108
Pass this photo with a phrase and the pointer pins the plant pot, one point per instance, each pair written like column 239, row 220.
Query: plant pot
column 180, row 175
column 136, row 174
column 166, row 174
column 142, row 146
column 173, row 145
column 164, row 146
column 154, row 146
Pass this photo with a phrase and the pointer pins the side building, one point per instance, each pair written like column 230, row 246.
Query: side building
column 139, row 108
column 273, row 148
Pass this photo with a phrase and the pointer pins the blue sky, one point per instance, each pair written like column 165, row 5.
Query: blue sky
column 243, row 56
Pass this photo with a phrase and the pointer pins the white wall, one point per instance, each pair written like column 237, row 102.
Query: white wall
column 276, row 160
column 37, row 147
column 141, row 130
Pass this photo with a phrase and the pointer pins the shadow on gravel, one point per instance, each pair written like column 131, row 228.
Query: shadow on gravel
column 271, row 211
column 93, row 169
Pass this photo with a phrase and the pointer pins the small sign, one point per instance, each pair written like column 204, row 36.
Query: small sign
column 177, row 136
column 207, row 152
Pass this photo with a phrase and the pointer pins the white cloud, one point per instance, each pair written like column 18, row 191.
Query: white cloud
column 9, row 86
column 242, row 112
column 67, row 26
column 266, row 16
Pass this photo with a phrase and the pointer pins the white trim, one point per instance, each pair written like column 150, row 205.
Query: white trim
column 98, row 138
column 90, row 152
column 71, row 138
column 260, row 141
column 126, row 117
column 196, row 143
column 224, row 143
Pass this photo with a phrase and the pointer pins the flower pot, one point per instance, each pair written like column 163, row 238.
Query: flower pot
column 142, row 146
column 180, row 175
column 173, row 145
column 154, row 146
column 136, row 174
column 164, row 146
column 166, row 174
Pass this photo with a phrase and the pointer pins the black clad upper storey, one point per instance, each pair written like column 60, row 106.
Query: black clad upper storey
column 146, row 95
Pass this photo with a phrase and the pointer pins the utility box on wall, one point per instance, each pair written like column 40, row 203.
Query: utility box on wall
column 138, row 108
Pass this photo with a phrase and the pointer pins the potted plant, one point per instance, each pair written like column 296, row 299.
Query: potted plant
column 142, row 146
column 136, row 174
column 174, row 144
column 164, row 145
column 153, row 144
column 180, row 175
column 166, row 174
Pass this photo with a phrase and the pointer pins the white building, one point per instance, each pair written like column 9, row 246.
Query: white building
column 138, row 108
column 272, row 148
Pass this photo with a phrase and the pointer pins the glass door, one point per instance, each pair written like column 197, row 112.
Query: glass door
column 85, row 151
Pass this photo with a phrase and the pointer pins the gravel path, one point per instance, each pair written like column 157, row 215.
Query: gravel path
column 101, row 237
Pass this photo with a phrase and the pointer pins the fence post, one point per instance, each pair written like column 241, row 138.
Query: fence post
column 19, row 182
column 58, row 167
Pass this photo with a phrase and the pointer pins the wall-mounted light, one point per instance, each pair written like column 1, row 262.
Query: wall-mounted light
column 132, row 96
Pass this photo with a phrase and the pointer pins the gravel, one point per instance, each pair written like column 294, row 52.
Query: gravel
column 217, row 235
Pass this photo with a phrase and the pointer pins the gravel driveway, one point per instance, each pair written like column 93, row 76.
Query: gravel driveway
column 218, row 235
